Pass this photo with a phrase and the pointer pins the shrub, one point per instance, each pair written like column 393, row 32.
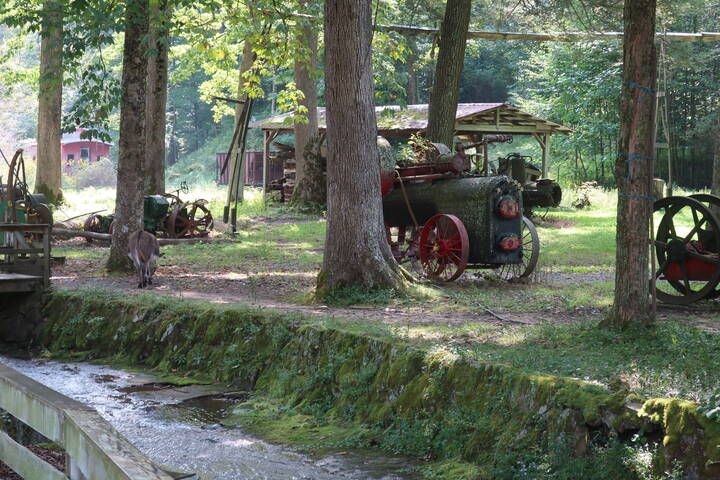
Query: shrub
column 102, row 173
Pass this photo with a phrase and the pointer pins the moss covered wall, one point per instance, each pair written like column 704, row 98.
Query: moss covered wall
column 430, row 404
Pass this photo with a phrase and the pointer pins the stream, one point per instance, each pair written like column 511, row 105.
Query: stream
column 182, row 431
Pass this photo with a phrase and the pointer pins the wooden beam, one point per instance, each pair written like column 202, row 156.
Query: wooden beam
column 553, row 37
column 491, row 128
column 545, row 145
column 65, row 233
column 412, row 30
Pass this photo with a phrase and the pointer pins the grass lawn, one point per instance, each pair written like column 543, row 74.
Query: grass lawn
column 277, row 254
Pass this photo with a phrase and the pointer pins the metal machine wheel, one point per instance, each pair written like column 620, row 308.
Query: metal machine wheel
column 530, row 254
column 444, row 247
column 93, row 223
column 189, row 220
column 687, row 243
column 713, row 203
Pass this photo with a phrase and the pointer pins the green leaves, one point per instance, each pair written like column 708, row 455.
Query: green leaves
column 98, row 95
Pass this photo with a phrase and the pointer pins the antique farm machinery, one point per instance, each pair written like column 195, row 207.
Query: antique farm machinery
column 165, row 215
column 687, row 248
column 439, row 214
column 537, row 192
column 17, row 203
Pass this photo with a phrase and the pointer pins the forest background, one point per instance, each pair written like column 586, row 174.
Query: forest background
column 576, row 84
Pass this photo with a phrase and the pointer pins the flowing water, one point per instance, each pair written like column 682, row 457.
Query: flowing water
column 181, row 431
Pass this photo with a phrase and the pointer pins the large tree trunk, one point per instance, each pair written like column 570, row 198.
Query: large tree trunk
column 634, row 165
column 308, row 189
column 448, row 69
column 157, row 82
column 716, row 159
column 48, row 175
column 412, row 93
column 129, row 197
column 716, row 164
column 356, row 250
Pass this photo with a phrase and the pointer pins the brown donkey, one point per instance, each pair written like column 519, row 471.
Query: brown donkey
column 144, row 252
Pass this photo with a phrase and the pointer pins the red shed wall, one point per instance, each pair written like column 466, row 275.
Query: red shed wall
column 97, row 150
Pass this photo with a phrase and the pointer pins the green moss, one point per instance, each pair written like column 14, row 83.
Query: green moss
column 273, row 422
column 682, row 428
column 318, row 387
column 590, row 400
column 456, row 470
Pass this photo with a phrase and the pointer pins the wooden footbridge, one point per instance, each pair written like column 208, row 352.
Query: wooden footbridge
column 93, row 448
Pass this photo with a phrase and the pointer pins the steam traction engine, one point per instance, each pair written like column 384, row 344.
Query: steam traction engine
column 449, row 220
column 687, row 248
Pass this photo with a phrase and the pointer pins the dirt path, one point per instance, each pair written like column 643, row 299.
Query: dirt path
column 388, row 315
column 282, row 288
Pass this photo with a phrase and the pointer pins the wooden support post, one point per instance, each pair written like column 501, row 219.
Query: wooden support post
column 46, row 256
column 543, row 142
column 546, row 154
column 266, row 159
column 486, row 161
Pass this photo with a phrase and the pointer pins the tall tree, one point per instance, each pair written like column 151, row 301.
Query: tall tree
column 716, row 158
column 356, row 251
column 157, row 83
column 448, row 69
column 129, row 197
column 634, row 165
column 411, row 89
column 307, row 188
column 48, row 176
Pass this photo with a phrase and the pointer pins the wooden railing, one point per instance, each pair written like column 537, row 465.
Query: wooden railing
column 25, row 249
column 94, row 449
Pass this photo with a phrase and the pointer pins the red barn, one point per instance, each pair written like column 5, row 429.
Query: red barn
column 74, row 150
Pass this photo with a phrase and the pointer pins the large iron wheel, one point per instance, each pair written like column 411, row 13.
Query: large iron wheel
column 189, row 220
column 173, row 200
column 687, row 243
column 94, row 224
column 444, row 247
column 530, row 253
column 713, row 203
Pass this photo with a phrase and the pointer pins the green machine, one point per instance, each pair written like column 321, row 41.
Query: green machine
column 156, row 208
column 17, row 204
column 164, row 215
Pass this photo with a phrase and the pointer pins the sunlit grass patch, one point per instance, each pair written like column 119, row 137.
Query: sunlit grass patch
column 533, row 297
column 669, row 359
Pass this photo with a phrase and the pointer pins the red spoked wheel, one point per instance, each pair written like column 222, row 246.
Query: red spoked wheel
column 444, row 247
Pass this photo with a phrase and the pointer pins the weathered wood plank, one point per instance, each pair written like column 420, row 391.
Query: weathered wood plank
column 65, row 233
column 24, row 462
column 24, row 227
column 97, row 450
column 18, row 283
column 20, row 251
column 12, row 277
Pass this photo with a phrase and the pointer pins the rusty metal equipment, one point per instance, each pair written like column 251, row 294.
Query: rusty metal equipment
column 17, row 203
column 164, row 215
column 537, row 192
column 449, row 220
column 687, row 248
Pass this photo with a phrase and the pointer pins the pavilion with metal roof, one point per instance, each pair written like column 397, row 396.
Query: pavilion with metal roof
column 472, row 120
